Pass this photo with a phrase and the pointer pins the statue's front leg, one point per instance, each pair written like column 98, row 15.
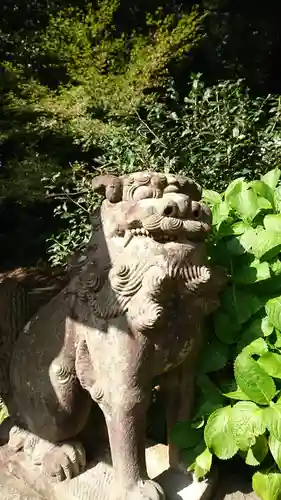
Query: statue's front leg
column 126, row 423
column 122, row 390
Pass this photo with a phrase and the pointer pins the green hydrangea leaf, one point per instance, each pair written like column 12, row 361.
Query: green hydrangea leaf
column 267, row 485
column 257, row 453
column 272, row 177
column 273, row 311
column 253, row 380
column 211, row 197
column 272, row 222
column 272, row 419
column 214, row 356
column 271, row 363
column 275, row 449
column 246, row 424
column 218, row 434
column 240, row 305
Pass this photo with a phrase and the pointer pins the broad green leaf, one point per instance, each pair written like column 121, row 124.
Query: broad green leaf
column 258, row 346
column 266, row 326
column 3, row 412
column 271, row 363
column 240, row 305
column 203, row 463
column 267, row 242
column 264, row 190
column 190, row 455
column 233, row 189
column 239, row 228
column 248, row 239
column 255, row 271
column 226, row 329
column 254, row 331
column 224, row 229
column 275, row 448
column 211, row 197
column 272, row 222
column 238, row 394
column 253, row 380
column 278, row 339
column 275, row 266
column 184, row 435
column 272, row 177
column 257, row 453
column 277, row 198
column 220, row 212
column 264, row 204
column 218, row 434
column 246, row 423
column 209, row 389
column 234, row 246
column 246, row 205
column 269, row 287
column 273, row 311
column 267, row 485
column 272, row 419
column 214, row 356
column 205, row 407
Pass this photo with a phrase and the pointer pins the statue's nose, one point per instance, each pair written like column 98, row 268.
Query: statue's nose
column 177, row 207
column 169, row 209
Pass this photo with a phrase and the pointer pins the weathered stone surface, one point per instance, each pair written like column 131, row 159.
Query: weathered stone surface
column 13, row 489
column 95, row 483
column 19, row 480
column 132, row 314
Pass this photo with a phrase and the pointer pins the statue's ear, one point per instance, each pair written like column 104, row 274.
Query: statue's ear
column 109, row 186
column 190, row 187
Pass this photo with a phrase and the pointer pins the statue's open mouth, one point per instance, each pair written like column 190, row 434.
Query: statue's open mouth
column 158, row 237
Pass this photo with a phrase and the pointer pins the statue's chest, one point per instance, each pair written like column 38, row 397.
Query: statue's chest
column 181, row 329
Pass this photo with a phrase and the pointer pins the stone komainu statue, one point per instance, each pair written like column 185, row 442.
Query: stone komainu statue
column 132, row 313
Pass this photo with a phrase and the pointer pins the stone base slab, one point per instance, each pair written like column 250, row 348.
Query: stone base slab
column 19, row 482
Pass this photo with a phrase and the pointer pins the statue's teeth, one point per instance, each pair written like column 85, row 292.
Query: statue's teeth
column 127, row 237
column 138, row 230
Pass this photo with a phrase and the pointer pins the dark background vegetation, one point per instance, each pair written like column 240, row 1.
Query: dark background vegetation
column 185, row 86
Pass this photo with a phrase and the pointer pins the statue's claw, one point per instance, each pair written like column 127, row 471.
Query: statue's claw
column 60, row 461
column 65, row 461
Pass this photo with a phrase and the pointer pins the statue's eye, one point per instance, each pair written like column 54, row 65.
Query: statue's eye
column 142, row 192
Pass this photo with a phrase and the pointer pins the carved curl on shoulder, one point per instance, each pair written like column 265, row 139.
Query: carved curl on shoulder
column 109, row 186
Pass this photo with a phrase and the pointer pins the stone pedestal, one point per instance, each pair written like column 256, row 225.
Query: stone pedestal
column 17, row 482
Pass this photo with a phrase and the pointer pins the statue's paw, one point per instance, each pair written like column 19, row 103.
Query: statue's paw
column 19, row 438
column 147, row 490
column 62, row 461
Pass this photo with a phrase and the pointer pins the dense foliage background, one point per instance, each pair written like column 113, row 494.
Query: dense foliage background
column 189, row 87
column 238, row 404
